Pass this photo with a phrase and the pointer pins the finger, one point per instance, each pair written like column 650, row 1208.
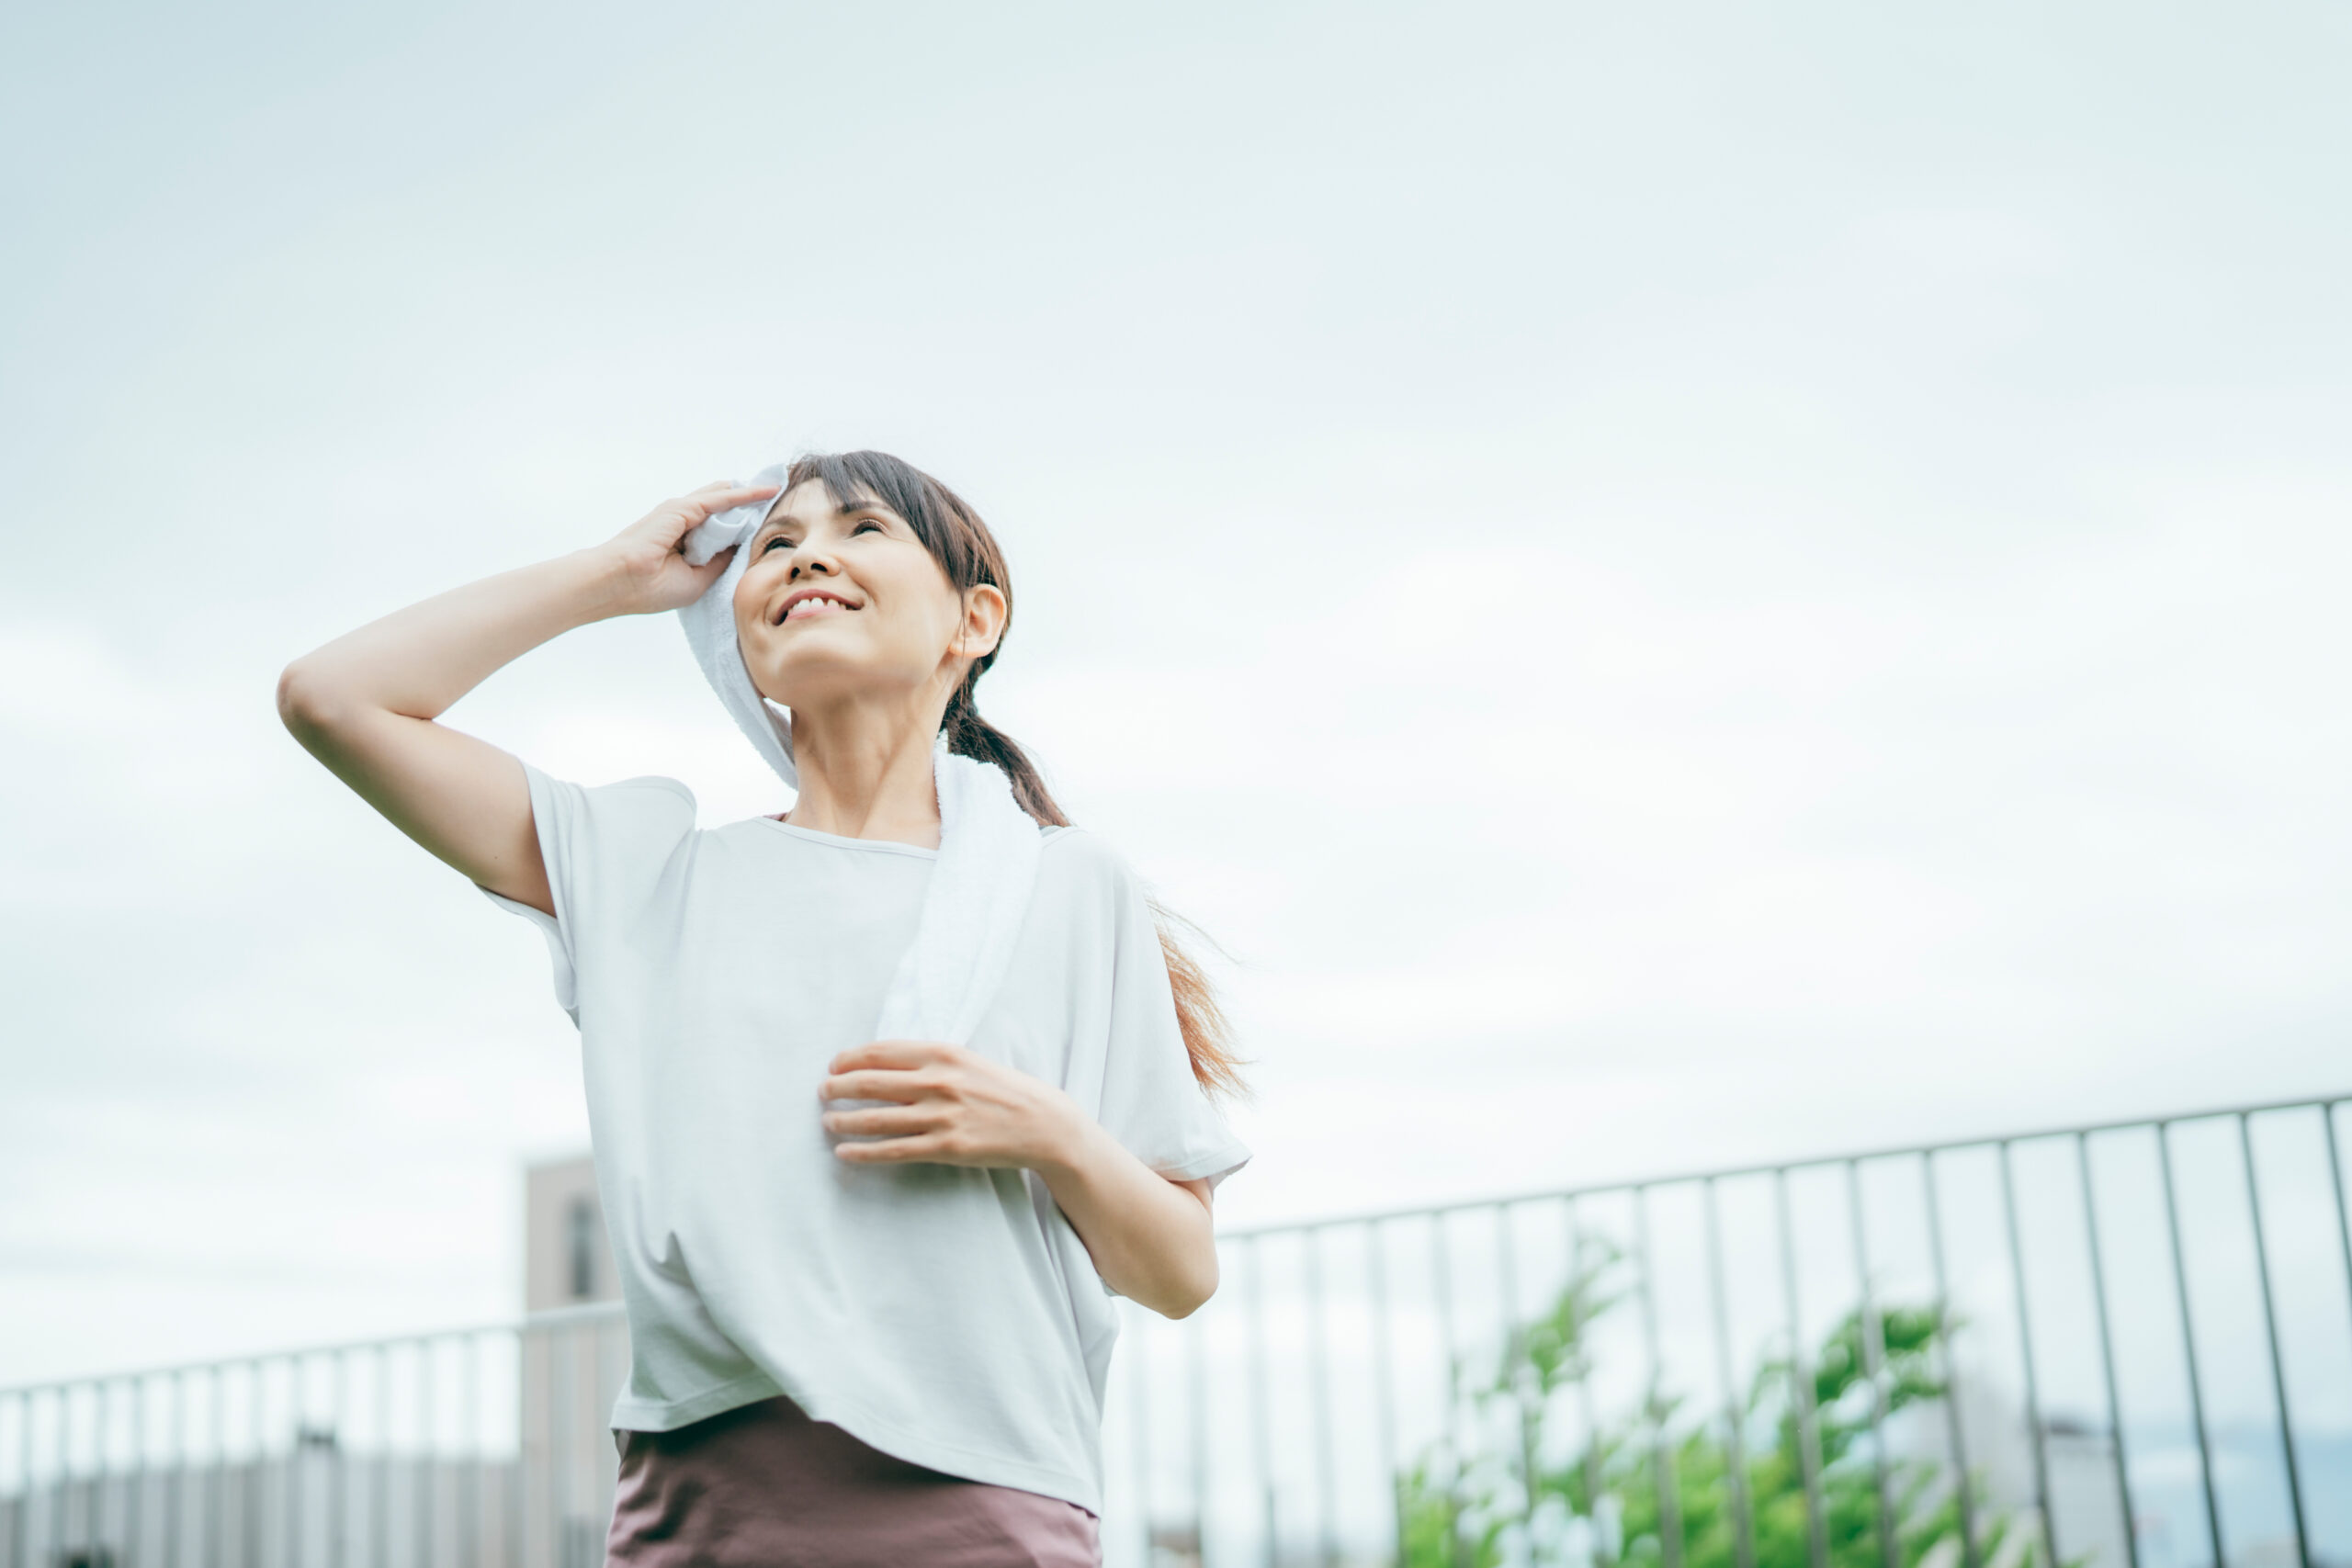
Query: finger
column 710, row 500
column 895, row 1151
column 877, row 1083
column 890, row 1054
column 714, row 568
column 884, row 1122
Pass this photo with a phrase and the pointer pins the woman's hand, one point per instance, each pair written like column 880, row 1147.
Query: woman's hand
column 953, row 1107
column 649, row 572
column 1150, row 1235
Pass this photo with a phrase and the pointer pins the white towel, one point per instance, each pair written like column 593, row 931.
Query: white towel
column 989, row 847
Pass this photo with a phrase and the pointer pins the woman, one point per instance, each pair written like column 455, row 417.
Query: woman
column 868, row 1279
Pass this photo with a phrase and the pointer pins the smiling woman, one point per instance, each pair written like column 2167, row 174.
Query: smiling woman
column 876, row 1330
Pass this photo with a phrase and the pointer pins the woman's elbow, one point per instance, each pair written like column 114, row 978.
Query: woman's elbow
column 306, row 704
column 1196, row 1293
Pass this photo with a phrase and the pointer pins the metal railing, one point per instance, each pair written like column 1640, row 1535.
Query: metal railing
column 2127, row 1345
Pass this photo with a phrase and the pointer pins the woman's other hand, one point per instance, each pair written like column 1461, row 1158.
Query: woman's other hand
column 1150, row 1235
column 953, row 1106
column 649, row 571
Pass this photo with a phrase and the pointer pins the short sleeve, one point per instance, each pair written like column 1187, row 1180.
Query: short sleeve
column 1151, row 1102
column 605, row 847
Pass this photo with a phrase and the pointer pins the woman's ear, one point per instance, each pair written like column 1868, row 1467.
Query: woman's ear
column 984, row 615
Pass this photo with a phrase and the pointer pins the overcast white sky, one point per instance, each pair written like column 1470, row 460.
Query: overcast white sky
column 1675, row 583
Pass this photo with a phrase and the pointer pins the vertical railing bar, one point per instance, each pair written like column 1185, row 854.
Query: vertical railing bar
column 2271, row 1330
column 299, row 1465
column 101, row 1415
column 1139, row 1380
column 1588, row 1420
column 379, row 1511
column 109, row 1478
column 596, row 1500
column 469, row 1399
column 50, row 1525
column 255, row 1488
column 428, row 1498
column 1873, row 1333
column 71, row 1492
column 2107, row 1351
column 339, row 1459
column 1669, row 1510
column 2336, row 1190
column 20, row 1554
column 1949, row 1362
column 513, row 1499
column 1801, row 1382
column 2025, row 1347
column 1383, row 1392
column 21, row 1550
column 50, row 1538
column 1197, row 1412
column 31, row 1401
column 1310, row 1243
column 87, row 1492
column 1516, row 1367
column 53, row 1524
column 297, row 1462
column 560, row 1444
column 134, row 1502
column 69, row 1496
column 1442, row 1260
column 215, row 1526
column 134, row 1480
column 2188, row 1346
column 1743, row 1509
column 1261, row 1418
column 179, row 1471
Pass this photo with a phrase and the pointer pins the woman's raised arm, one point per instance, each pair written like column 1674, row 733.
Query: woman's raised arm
column 365, row 703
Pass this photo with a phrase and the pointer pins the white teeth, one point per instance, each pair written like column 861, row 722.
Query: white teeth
column 803, row 608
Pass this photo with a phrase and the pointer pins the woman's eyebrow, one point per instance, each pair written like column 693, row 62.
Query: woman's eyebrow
column 786, row 520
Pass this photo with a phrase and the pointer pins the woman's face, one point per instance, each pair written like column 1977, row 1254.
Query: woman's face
column 843, row 601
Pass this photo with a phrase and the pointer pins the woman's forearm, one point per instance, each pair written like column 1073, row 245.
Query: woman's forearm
column 1152, row 1240
column 365, row 703
column 417, row 661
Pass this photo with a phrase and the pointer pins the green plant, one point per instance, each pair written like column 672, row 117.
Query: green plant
column 1650, row 1475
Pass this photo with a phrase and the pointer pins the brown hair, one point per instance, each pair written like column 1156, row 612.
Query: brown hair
column 968, row 554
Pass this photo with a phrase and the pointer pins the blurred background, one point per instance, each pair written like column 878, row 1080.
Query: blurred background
column 1678, row 586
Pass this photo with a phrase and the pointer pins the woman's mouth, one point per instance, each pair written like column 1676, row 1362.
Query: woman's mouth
column 810, row 605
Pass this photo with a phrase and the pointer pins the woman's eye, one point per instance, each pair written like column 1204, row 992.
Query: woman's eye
column 773, row 544
column 862, row 527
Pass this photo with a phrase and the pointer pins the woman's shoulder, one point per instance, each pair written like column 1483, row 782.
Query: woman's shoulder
column 654, row 781
column 1083, row 856
column 651, row 792
column 631, row 807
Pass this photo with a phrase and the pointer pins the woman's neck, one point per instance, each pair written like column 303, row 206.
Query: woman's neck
column 866, row 773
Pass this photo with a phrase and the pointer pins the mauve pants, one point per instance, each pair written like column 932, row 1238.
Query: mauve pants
column 763, row 1486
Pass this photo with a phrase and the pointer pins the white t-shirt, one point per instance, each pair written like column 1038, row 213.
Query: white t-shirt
column 946, row 1315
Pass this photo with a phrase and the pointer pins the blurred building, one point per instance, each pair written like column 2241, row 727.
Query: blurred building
column 571, row 1369
column 567, row 1258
